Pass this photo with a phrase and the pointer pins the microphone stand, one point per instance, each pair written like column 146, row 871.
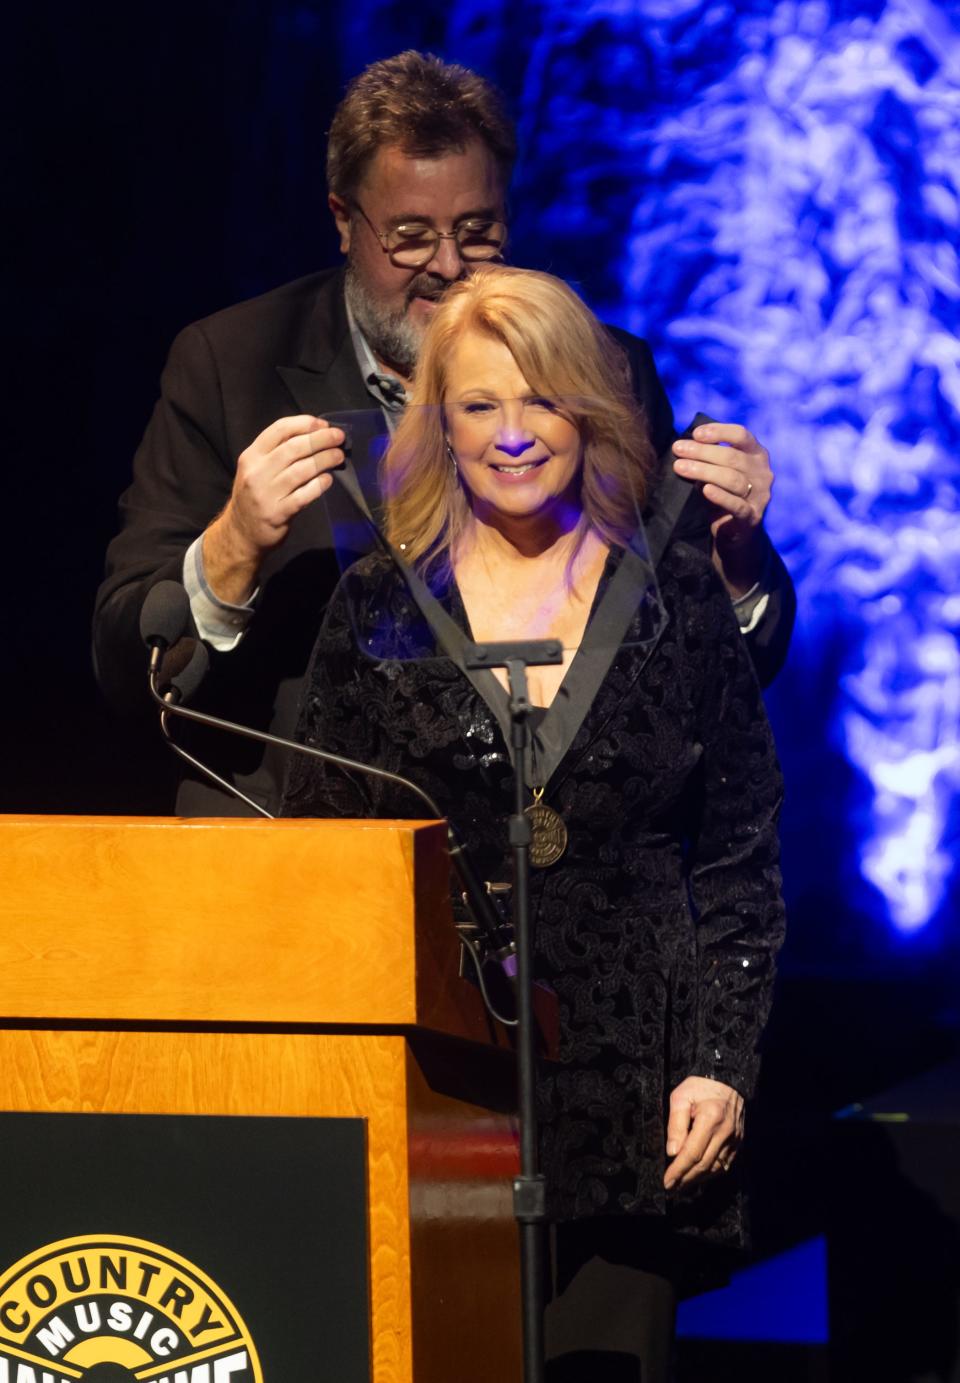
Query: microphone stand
column 529, row 1188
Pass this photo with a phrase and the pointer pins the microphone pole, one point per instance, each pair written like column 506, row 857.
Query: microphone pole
column 530, row 1187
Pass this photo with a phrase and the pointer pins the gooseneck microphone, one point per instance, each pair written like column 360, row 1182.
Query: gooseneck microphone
column 163, row 619
column 182, row 669
column 177, row 667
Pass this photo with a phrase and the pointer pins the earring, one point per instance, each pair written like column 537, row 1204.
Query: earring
column 450, row 453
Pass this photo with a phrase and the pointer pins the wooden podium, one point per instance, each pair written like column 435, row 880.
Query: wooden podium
column 303, row 969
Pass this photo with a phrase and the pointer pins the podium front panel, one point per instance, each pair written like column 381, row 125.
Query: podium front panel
column 184, row 1246
column 217, row 1079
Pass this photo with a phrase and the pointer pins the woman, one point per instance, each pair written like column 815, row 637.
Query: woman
column 513, row 486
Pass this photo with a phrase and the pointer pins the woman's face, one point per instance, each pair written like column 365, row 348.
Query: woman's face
column 518, row 456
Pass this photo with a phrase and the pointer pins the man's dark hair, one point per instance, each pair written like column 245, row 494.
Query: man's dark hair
column 423, row 106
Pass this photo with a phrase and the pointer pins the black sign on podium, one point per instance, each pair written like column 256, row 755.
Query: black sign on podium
column 183, row 1249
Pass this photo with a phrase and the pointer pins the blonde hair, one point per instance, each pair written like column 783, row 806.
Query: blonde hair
column 563, row 352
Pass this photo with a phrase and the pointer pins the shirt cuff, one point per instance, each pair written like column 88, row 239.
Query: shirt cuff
column 751, row 608
column 219, row 624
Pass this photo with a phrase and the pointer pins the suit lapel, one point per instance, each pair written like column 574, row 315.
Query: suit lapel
column 322, row 371
column 339, row 386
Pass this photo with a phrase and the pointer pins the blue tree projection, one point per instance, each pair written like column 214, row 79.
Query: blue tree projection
column 811, row 241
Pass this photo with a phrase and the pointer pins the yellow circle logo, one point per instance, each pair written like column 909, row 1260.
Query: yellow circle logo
column 109, row 1309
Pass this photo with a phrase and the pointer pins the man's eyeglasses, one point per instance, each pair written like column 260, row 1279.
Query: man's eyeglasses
column 414, row 244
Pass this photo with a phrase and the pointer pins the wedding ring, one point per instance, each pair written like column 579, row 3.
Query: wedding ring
column 749, row 489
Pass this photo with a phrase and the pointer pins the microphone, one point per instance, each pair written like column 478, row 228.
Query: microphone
column 182, row 669
column 162, row 621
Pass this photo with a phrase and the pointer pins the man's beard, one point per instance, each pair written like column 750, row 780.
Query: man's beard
column 391, row 336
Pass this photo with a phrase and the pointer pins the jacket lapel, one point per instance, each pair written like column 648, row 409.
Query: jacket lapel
column 627, row 613
column 339, row 386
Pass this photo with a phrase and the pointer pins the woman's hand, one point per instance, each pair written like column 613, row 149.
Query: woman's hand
column 704, row 1130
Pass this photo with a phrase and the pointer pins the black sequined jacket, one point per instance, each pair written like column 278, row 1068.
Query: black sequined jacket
column 659, row 927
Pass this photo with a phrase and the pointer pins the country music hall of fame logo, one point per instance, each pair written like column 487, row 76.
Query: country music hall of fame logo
column 109, row 1309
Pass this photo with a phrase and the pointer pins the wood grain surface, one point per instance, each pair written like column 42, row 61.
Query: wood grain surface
column 218, row 921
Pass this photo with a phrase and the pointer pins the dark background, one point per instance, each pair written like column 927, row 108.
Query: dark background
column 153, row 181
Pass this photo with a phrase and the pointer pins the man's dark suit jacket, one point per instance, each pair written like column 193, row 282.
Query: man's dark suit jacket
column 227, row 378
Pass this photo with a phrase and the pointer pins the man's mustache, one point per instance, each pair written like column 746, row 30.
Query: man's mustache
column 430, row 286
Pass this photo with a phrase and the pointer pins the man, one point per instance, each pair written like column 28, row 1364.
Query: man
column 243, row 440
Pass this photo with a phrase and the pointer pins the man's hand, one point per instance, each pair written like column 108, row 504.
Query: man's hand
column 286, row 468
column 704, row 1130
column 737, row 480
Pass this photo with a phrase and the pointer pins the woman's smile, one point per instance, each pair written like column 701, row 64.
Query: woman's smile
column 516, row 452
column 513, row 469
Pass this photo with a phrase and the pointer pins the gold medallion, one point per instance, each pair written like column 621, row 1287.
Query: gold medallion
column 549, row 832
